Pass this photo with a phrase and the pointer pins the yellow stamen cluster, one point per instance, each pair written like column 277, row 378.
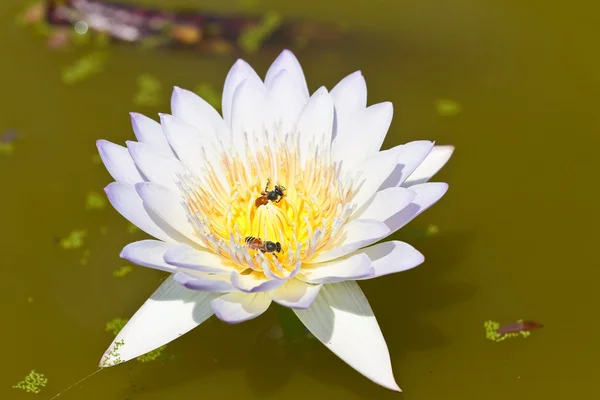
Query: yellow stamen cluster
column 307, row 220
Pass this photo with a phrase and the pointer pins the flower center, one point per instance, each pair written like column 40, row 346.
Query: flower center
column 267, row 210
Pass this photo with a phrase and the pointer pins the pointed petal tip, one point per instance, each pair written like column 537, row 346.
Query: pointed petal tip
column 240, row 63
column 394, row 387
column 287, row 53
column 449, row 148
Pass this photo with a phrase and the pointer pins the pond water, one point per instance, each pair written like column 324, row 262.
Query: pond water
column 515, row 232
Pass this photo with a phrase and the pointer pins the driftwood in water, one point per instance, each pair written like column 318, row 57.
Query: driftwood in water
column 210, row 32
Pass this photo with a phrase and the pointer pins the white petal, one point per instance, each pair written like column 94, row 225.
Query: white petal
column 238, row 306
column 185, row 256
column 156, row 166
column 240, row 71
column 410, row 157
column 427, row 195
column 249, row 116
column 367, row 127
column 338, row 270
column 356, row 234
column 350, row 95
column 150, row 132
column 148, row 253
column 342, row 319
column 254, row 282
column 315, row 123
column 195, row 280
column 186, row 140
column 167, row 206
column 286, row 60
column 438, row 157
column 386, row 203
column 194, row 110
column 295, row 294
column 128, row 203
column 197, row 149
column 169, row 313
column 118, row 162
column 286, row 101
column 372, row 173
column 391, row 257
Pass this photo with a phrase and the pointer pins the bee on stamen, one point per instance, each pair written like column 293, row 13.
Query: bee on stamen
column 265, row 246
column 273, row 195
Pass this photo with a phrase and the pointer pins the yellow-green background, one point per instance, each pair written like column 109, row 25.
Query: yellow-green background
column 518, row 228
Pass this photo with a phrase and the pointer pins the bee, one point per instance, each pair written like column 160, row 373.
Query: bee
column 273, row 195
column 266, row 246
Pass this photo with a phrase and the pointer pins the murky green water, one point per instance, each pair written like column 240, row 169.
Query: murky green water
column 518, row 227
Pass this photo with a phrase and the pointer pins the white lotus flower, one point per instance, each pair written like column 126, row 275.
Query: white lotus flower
column 193, row 181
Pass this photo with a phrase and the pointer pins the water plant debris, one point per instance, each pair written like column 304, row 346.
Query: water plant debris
column 33, row 383
column 497, row 333
column 74, row 240
column 153, row 27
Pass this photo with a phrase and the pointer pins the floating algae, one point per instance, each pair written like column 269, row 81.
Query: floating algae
column 87, row 66
column 95, row 201
column 447, row 108
column 491, row 332
column 208, row 93
column 131, row 228
column 115, row 325
column 152, row 355
column 253, row 37
column 33, row 383
column 122, row 271
column 432, row 230
column 74, row 241
column 85, row 257
column 7, row 142
column 7, row 148
column 113, row 357
column 149, row 91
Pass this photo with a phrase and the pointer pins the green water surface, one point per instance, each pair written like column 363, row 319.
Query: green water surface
column 518, row 229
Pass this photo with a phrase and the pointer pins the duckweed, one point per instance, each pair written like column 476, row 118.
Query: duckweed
column 75, row 239
column 33, row 383
column 122, row 271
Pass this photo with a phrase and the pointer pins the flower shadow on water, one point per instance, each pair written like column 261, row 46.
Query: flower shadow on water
column 266, row 364
column 399, row 302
